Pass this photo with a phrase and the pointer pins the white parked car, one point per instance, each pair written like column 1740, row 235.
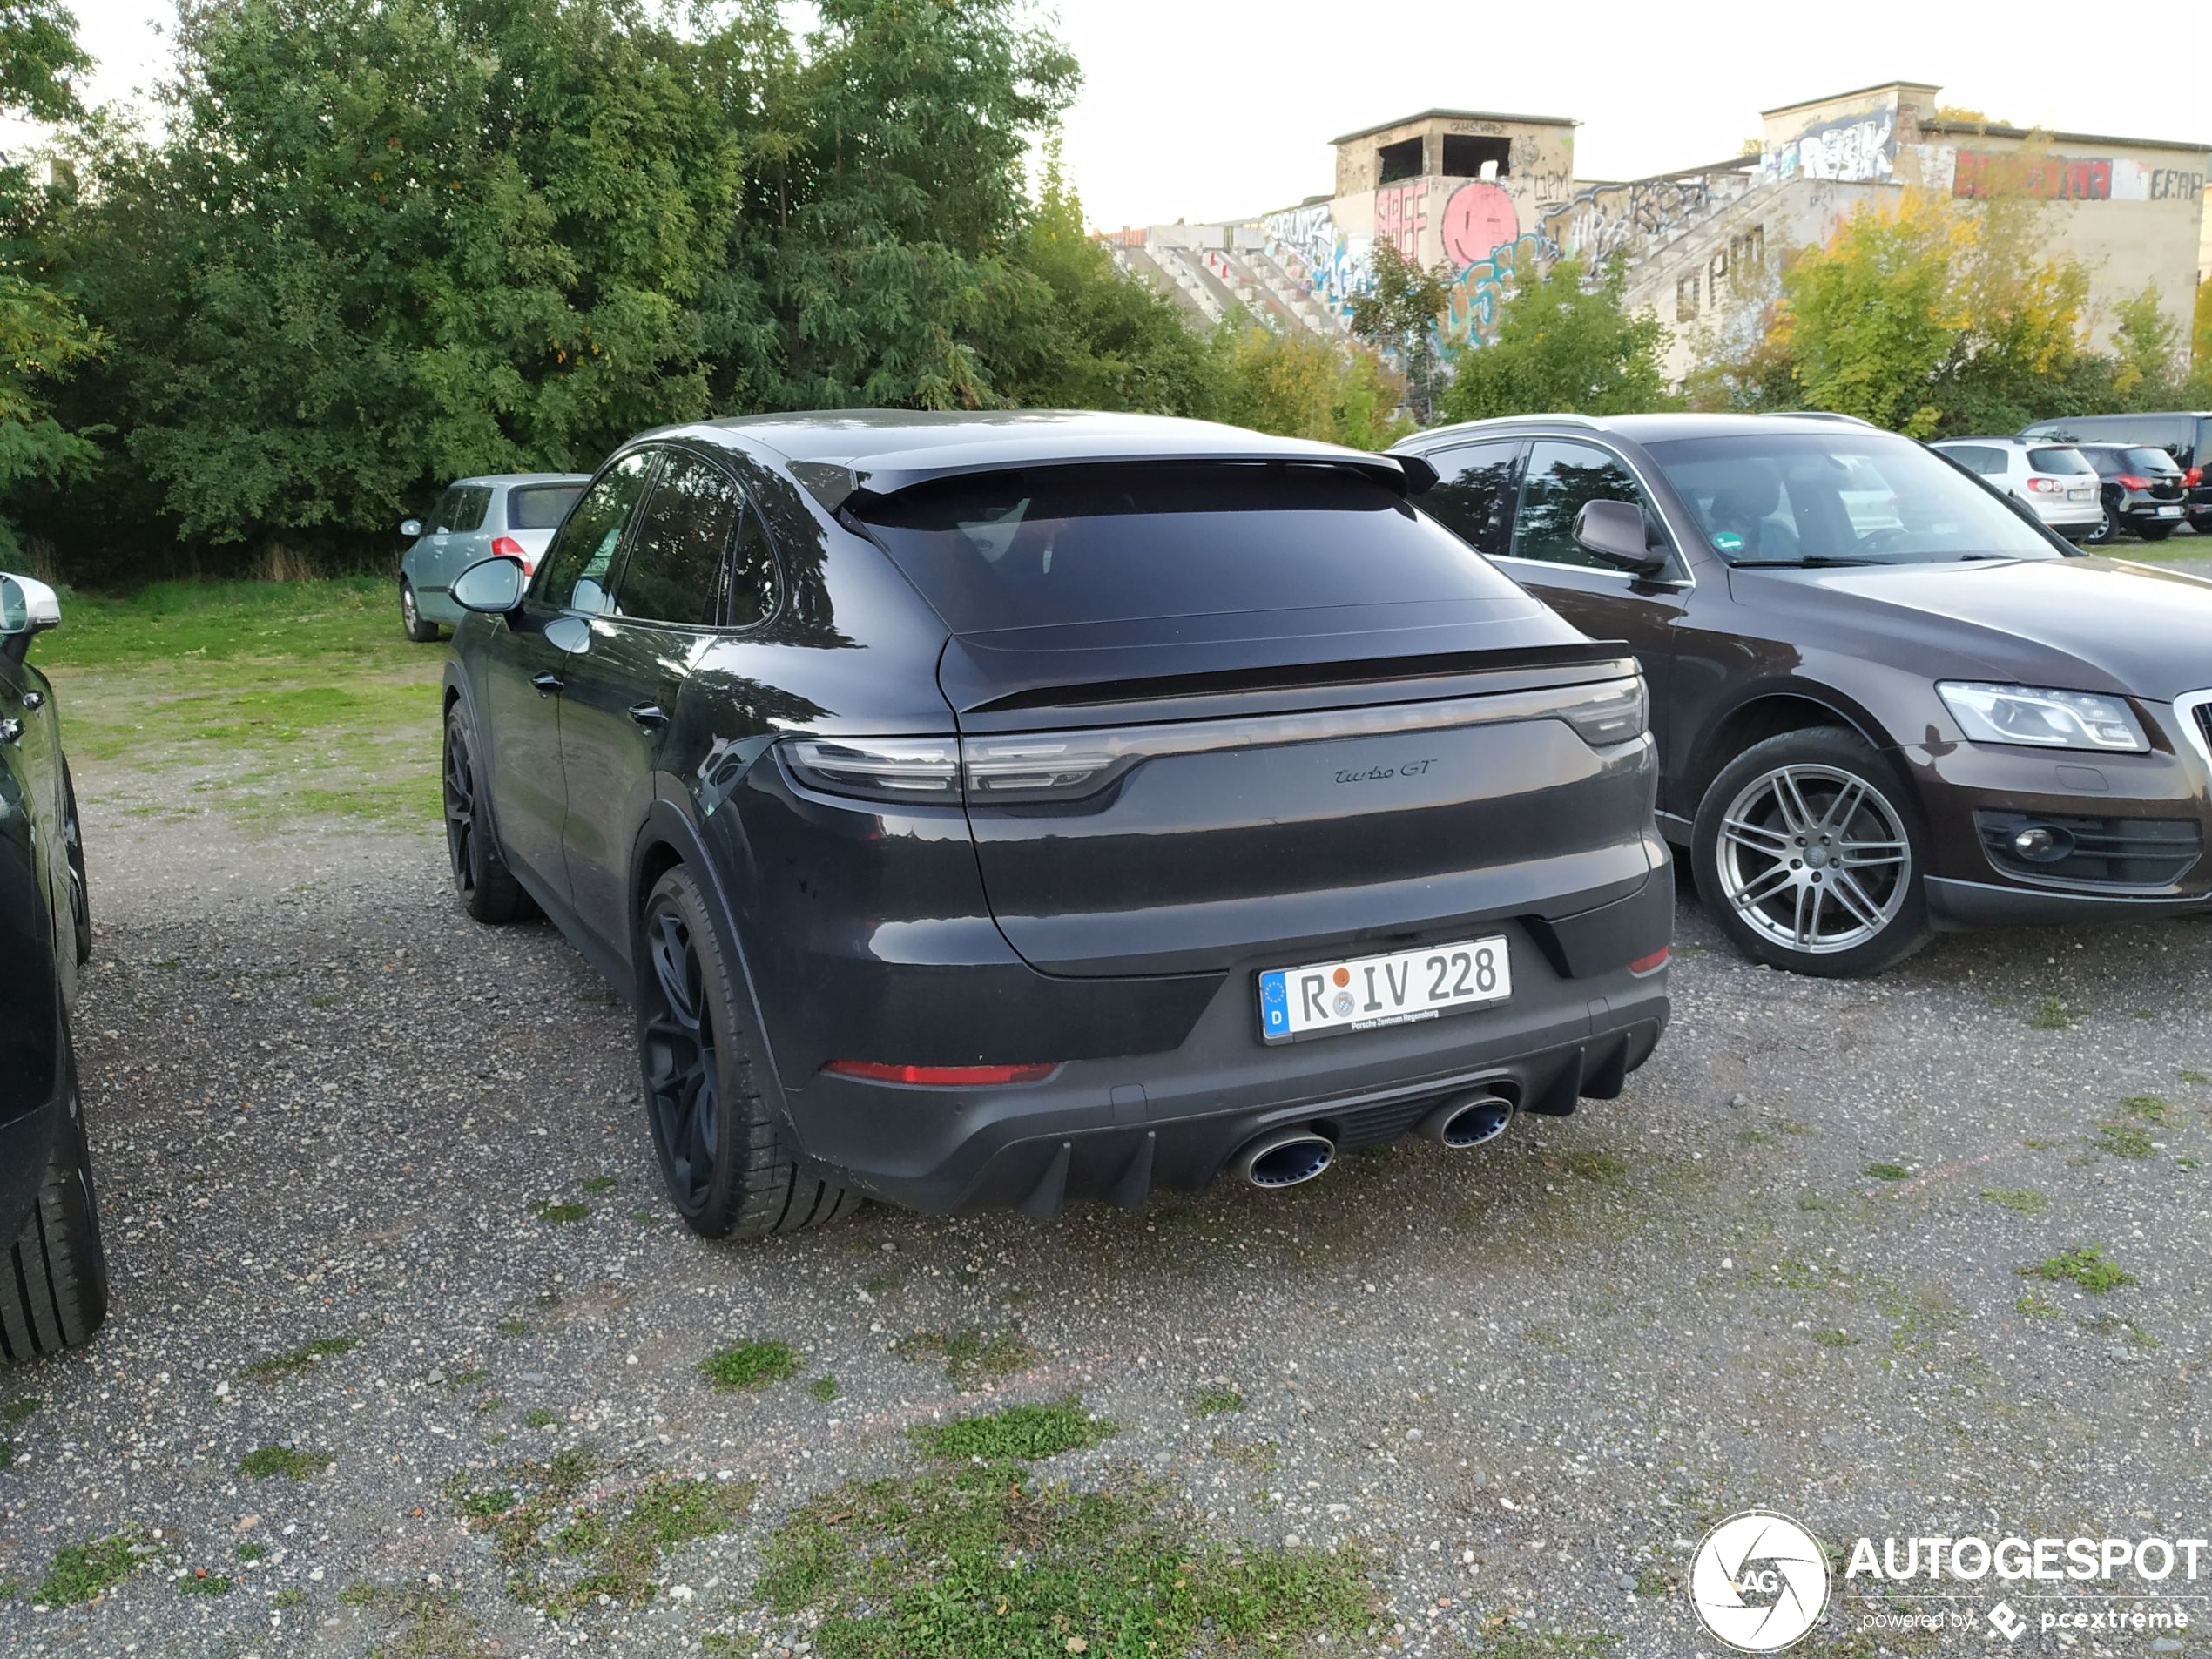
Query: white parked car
column 2055, row 480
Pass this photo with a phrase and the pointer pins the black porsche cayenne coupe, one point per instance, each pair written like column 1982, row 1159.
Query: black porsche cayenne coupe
column 1003, row 809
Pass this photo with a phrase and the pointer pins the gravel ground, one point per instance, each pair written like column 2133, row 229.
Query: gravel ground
column 327, row 1108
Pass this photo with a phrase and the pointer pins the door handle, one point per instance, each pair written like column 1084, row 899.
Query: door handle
column 10, row 730
column 649, row 715
column 546, row 683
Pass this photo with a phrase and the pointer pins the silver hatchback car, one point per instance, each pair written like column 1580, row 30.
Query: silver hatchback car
column 503, row 515
column 2053, row 479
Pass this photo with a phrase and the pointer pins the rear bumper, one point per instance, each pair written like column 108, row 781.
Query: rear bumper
column 1117, row 1129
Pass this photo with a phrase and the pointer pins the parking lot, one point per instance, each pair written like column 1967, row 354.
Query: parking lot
column 391, row 1266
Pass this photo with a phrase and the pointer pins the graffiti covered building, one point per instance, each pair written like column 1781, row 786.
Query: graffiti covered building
column 1487, row 194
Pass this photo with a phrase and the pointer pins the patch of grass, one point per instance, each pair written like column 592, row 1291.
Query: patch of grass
column 562, row 1214
column 726, row 1644
column 290, row 1598
column 252, row 1552
column 359, row 1595
column 13, row 1413
column 2152, row 1107
column 746, row 1365
column 2085, row 1265
column 885, row 1283
column 85, row 1572
column 597, row 1184
column 1653, row 1581
column 565, row 1545
column 2106, row 1325
column 1215, row 1398
column 977, row 1562
column 969, row 1354
column 295, row 1360
column 423, row 1624
column 1254, row 1457
column 2035, row 1306
column 823, row 1388
column 200, row 1582
column 538, row 1417
column 1889, row 1172
column 2052, row 1013
column 2123, row 1140
column 513, row 1327
column 1835, row 1339
column 1020, row 1434
column 265, row 1461
column 470, row 1379
column 2025, row 1200
column 2196, row 1079
column 1599, row 1166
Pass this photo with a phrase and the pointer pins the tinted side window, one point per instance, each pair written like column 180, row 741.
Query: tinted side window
column 585, row 548
column 753, row 574
column 675, row 570
column 1560, row 479
column 1469, row 484
column 468, row 503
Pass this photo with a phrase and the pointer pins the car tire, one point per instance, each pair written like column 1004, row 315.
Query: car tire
column 412, row 622
column 488, row 888
column 2157, row 532
column 80, row 890
column 727, row 1167
column 1767, row 851
column 2104, row 533
column 54, row 1292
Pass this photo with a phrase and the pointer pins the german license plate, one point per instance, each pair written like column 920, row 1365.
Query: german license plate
column 2169, row 511
column 1365, row 993
column 2081, row 493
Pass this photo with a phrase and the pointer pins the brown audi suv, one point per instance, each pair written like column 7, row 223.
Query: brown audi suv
column 1885, row 701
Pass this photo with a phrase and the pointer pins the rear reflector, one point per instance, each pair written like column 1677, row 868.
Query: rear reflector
column 1650, row 964
column 943, row 1076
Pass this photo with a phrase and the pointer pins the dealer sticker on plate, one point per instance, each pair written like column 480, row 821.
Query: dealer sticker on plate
column 1370, row 991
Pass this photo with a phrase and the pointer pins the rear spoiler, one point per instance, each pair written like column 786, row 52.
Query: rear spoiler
column 842, row 486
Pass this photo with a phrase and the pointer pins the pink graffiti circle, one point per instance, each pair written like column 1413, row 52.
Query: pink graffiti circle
column 1478, row 217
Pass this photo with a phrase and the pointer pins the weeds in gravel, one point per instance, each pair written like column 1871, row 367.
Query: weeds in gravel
column 200, row 1582
column 1889, row 1172
column 1018, row 1434
column 538, row 1417
column 562, row 1214
column 265, row 1461
column 2085, row 1265
column 565, row 1546
column 294, row 1360
column 2123, row 1140
column 13, row 1413
column 968, row 1354
column 1500, row 1643
column 978, row 1562
column 1599, row 1166
column 1835, row 1339
column 2152, row 1107
column 2052, row 1013
column 823, row 1388
column 2025, row 1200
column 85, row 1572
column 2035, row 1306
column 2196, row 1079
column 1215, row 1398
column 252, row 1552
column 513, row 1327
column 744, row 1367
column 425, row 1623
column 597, row 1184
column 289, row 1598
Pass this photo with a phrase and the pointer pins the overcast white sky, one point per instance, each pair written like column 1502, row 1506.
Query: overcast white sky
column 1207, row 108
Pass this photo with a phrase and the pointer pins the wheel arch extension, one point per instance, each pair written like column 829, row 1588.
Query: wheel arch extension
column 1766, row 713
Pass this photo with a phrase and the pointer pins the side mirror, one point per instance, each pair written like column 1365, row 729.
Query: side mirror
column 490, row 587
column 27, row 607
column 411, row 527
column 1613, row 532
column 588, row 599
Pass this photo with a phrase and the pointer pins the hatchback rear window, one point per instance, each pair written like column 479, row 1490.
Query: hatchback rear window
column 2149, row 460
column 1089, row 544
column 2057, row 461
column 539, row 507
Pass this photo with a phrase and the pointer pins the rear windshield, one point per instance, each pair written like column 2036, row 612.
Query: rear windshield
column 1846, row 497
column 540, row 507
column 2149, row 460
column 2058, row 461
column 1089, row 544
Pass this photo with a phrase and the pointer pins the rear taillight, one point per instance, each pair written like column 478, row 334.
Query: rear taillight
column 2131, row 480
column 2194, row 478
column 906, row 769
column 941, row 1076
column 1650, row 964
column 506, row 547
column 2045, row 486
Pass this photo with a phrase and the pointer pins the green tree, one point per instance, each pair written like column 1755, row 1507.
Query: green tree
column 44, row 337
column 1564, row 343
column 1304, row 385
column 1400, row 314
column 2149, row 353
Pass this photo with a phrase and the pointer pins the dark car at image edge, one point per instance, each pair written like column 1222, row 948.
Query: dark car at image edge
column 1003, row 810
column 1886, row 700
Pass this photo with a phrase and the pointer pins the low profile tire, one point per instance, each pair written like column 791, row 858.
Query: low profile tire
column 80, row 890
column 488, row 888
column 53, row 1293
column 1810, row 856
column 412, row 622
column 2157, row 532
column 727, row 1168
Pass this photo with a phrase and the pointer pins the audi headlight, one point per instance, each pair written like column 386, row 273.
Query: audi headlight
column 2037, row 715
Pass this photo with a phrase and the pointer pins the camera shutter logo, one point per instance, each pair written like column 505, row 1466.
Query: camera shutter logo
column 1759, row 1581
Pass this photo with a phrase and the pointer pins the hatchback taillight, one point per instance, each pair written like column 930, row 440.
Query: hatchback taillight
column 2133, row 481
column 506, row 547
column 2194, row 478
column 2045, row 486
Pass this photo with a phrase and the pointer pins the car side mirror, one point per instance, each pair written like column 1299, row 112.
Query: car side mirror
column 490, row 587
column 1614, row 532
column 27, row 607
column 411, row 527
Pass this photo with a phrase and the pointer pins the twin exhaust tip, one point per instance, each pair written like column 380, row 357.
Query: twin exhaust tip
column 1288, row 1157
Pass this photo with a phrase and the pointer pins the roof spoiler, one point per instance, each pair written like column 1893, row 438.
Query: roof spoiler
column 842, row 485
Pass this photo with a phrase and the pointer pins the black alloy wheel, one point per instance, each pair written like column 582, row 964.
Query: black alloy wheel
column 488, row 888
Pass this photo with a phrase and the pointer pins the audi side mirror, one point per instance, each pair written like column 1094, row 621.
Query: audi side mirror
column 1614, row 532
column 490, row 587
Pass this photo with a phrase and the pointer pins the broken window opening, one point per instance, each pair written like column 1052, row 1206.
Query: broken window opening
column 1400, row 160
column 1465, row 154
